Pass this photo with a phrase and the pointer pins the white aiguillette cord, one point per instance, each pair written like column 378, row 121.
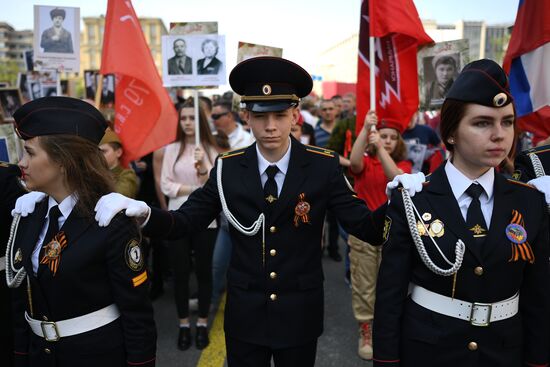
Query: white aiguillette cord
column 14, row 277
column 538, row 168
column 247, row 231
column 410, row 212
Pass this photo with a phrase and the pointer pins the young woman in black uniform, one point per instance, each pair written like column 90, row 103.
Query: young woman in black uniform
column 86, row 301
column 464, row 273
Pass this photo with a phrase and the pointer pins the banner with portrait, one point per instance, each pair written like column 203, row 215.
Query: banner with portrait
column 193, row 60
column 91, row 81
column 56, row 38
column 39, row 84
column 438, row 67
column 10, row 145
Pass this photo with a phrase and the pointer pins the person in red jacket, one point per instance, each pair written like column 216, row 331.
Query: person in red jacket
column 378, row 155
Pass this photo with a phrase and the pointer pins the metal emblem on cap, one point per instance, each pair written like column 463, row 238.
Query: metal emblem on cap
column 500, row 99
column 266, row 89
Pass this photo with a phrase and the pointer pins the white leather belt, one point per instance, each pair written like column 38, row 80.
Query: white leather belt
column 2, row 263
column 54, row 330
column 478, row 314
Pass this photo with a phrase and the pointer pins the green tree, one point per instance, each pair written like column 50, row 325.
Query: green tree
column 8, row 71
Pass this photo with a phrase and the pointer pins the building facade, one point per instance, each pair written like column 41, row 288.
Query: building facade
column 13, row 43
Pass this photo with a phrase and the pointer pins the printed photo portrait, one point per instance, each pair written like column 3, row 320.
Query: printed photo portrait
column 108, row 90
column 416, row 153
column 10, row 101
column 90, row 78
column 180, row 63
column 23, row 86
column 209, row 64
column 440, row 72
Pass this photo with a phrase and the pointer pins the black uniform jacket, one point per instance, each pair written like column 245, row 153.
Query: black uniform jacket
column 408, row 334
column 10, row 190
column 523, row 167
column 279, row 303
column 212, row 68
column 96, row 269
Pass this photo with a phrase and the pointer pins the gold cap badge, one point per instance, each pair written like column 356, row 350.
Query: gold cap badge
column 266, row 90
column 500, row 99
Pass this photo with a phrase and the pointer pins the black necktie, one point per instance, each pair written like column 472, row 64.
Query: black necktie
column 474, row 217
column 53, row 226
column 270, row 187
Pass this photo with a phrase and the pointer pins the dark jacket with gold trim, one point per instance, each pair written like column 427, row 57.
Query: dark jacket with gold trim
column 523, row 167
column 279, row 304
column 95, row 270
column 410, row 335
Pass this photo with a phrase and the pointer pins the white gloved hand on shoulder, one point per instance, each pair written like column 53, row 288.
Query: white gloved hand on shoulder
column 543, row 185
column 412, row 182
column 25, row 204
column 111, row 204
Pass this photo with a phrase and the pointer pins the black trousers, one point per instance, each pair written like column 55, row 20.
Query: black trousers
column 242, row 354
column 200, row 246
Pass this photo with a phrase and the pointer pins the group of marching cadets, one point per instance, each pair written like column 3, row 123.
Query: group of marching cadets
column 464, row 277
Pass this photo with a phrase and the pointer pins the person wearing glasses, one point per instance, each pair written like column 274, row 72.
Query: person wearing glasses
column 224, row 121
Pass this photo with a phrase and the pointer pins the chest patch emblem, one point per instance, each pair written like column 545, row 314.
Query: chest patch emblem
column 516, row 233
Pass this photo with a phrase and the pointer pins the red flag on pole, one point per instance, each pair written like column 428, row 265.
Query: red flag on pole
column 145, row 118
column 399, row 32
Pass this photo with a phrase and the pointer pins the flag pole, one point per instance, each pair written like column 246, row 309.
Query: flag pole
column 372, row 72
column 197, row 126
column 99, row 88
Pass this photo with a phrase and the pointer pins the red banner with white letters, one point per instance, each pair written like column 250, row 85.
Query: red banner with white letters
column 145, row 117
column 399, row 33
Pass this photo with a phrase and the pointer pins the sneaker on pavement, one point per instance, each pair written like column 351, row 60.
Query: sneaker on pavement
column 365, row 341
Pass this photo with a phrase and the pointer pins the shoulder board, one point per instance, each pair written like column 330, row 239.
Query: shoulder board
column 232, row 153
column 428, row 178
column 321, row 151
column 4, row 164
column 538, row 150
column 512, row 181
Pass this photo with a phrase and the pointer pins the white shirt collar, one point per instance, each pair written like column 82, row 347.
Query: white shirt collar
column 65, row 207
column 282, row 164
column 460, row 183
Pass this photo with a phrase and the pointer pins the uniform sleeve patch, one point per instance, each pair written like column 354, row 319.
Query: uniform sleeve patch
column 133, row 255
column 387, row 227
column 140, row 279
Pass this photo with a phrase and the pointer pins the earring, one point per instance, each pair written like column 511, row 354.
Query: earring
column 451, row 140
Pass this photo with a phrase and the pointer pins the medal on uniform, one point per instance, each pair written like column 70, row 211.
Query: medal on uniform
column 421, row 228
column 516, row 233
column 301, row 210
column 426, row 216
column 437, row 229
column 52, row 252
column 18, row 256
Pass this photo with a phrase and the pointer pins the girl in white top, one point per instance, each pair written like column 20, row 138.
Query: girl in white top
column 185, row 167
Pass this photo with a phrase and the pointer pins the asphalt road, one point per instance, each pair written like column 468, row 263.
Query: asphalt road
column 337, row 347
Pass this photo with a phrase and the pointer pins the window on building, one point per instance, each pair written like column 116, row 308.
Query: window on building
column 153, row 33
column 91, row 33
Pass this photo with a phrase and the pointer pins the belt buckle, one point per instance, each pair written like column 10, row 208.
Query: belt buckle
column 53, row 325
column 489, row 310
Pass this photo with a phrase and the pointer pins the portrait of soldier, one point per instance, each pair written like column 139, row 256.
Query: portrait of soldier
column 180, row 63
column 56, row 38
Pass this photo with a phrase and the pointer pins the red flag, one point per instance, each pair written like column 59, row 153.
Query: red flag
column 145, row 118
column 526, row 62
column 399, row 32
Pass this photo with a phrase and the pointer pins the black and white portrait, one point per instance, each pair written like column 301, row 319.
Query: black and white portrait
column 209, row 64
column 29, row 57
column 416, row 153
column 57, row 38
column 440, row 73
column 180, row 63
column 90, row 77
column 10, row 101
column 108, row 90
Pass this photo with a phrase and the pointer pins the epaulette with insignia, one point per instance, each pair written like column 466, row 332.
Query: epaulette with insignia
column 232, row 153
column 538, row 150
column 321, row 151
column 511, row 180
column 4, row 164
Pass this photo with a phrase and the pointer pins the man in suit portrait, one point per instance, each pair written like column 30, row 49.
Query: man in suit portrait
column 209, row 64
column 180, row 63
column 56, row 38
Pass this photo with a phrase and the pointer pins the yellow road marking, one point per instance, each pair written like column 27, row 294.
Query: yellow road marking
column 214, row 355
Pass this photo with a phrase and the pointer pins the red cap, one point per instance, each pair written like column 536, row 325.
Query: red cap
column 390, row 124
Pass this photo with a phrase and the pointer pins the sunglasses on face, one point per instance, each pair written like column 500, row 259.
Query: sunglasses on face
column 327, row 109
column 216, row 116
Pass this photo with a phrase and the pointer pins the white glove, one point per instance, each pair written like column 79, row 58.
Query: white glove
column 111, row 204
column 26, row 203
column 543, row 185
column 410, row 182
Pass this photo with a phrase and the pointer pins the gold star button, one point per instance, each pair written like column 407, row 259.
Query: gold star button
column 273, row 275
column 478, row 271
column 273, row 252
column 273, row 229
column 273, row 297
column 472, row 346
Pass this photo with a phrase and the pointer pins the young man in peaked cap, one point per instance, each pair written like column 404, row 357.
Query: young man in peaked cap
column 275, row 193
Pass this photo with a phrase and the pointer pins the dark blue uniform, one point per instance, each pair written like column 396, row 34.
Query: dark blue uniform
column 278, row 304
column 95, row 271
column 523, row 166
column 405, row 333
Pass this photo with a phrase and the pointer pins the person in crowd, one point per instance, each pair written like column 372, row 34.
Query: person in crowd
column 309, row 112
column 180, row 63
column 348, row 106
column 56, row 38
column 323, row 132
column 424, row 146
column 445, row 68
column 86, row 288
column 224, row 120
column 185, row 168
column 338, row 105
column 206, row 105
column 275, row 296
column 479, row 285
column 10, row 189
column 378, row 155
column 126, row 181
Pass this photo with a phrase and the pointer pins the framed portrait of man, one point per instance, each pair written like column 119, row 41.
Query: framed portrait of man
column 57, row 38
column 10, row 101
column 439, row 66
column 90, row 83
column 108, row 90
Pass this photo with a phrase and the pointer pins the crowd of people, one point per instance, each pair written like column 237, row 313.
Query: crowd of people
column 455, row 268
